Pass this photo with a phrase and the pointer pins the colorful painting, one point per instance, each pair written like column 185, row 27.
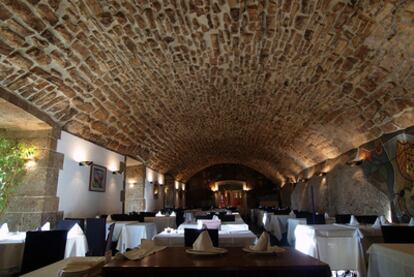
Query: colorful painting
column 405, row 159
column 97, row 181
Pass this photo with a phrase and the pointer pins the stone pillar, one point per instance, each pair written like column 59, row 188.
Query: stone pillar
column 169, row 191
column 35, row 201
column 134, row 189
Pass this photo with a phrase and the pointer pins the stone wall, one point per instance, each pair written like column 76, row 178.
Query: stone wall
column 35, row 201
column 134, row 190
column 381, row 183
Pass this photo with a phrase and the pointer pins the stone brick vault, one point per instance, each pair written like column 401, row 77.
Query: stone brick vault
column 275, row 85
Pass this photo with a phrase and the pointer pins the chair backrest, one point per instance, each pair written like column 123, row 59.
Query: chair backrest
column 190, row 235
column 66, row 224
column 342, row 218
column 208, row 216
column 303, row 214
column 147, row 214
column 80, row 221
column 282, row 211
column 315, row 219
column 398, row 234
column 227, row 217
column 366, row 219
column 42, row 248
column 95, row 234
column 108, row 245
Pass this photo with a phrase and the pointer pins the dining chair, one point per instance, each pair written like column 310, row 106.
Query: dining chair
column 366, row 219
column 227, row 217
column 315, row 219
column 95, row 235
column 42, row 248
column 398, row 234
column 208, row 216
column 342, row 218
column 190, row 235
column 80, row 221
column 66, row 224
column 108, row 243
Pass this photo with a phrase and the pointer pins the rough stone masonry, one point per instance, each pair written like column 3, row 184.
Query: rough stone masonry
column 277, row 85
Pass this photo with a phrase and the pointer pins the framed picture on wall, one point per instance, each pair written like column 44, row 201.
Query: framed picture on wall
column 97, row 180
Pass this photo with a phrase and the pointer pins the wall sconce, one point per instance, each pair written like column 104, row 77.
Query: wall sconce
column 85, row 163
column 117, row 172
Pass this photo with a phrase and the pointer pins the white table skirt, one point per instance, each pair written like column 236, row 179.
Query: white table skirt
column 277, row 224
column 226, row 239
column 338, row 245
column 391, row 260
column 292, row 223
column 225, row 226
column 162, row 222
column 52, row 270
column 118, row 228
column 11, row 249
column 131, row 235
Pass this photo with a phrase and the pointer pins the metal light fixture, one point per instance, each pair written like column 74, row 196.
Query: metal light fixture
column 85, row 163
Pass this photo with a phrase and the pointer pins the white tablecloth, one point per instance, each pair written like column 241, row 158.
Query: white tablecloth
column 52, row 270
column 118, row 228
column 340, row 246
column 162, row 222
column 225, row 226
column 226, row 239
column 292, row 223
column 131, row 234
column 11, row 249
column 391, row 260
column 277, row 224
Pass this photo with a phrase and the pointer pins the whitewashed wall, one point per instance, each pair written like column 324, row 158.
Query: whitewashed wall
column 75, row 199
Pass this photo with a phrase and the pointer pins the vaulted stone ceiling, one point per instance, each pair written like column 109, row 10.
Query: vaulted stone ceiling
column 275, row 85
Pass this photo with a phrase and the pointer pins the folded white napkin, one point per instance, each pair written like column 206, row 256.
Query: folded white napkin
column 411, row 223
column 46, row 226
column 326, row 215
column 159, row 214
column 215, row 217
column 109, row 218
column 173, row 214
column 353, row 221
column 203, row 242
column 4, row 230
column 262, row 244
column 377, row 224
column 76, row 230
column 146, row 248
column 383, row 220
column 82, row 267
column 292, row 213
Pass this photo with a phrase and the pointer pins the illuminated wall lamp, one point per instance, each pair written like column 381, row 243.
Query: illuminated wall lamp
column 85, row 163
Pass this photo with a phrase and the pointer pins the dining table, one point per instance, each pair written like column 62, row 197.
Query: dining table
column 391, row 259
column 235, row 262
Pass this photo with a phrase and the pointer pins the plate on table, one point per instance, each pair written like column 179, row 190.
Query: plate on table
column 268, row 251
column 217, row 251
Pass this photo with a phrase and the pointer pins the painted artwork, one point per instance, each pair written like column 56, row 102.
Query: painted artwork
column 405, row 159
column 97, row 181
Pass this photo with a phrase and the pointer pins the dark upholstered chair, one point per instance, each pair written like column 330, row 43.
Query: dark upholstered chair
column 190, row 236
column 147, row 214
column 95, row 234
column 303, row 214
column 227, row 217
column 315, row 219
column 108, row 243
column 366, row 219
column 80, row 221
column 42, row 248
column 342, row 218
column 208, row 216
column 398, row 234
column 66, row 224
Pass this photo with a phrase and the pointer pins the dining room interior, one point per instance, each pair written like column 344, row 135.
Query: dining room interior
column 207, row 137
